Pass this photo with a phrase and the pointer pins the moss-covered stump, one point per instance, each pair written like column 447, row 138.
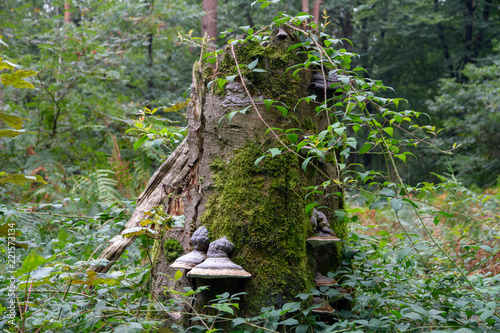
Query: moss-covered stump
column 260, row 208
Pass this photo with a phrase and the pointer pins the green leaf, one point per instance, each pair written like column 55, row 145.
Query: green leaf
column 387, row 192
column 8, row 133
column 20, row 179
column 283, row 110
column 411, row 202
column 305, row 163
column 413, row 316
column 397, row 204
column 419, row 309
column 290, row 322
column 310, row 206
column 129, row 328
column 178, row 275
column 303, row 296
column 253, row 64
column 139, row 142
column 41, row 272
column 16, row 79
column 221, row 83
column 486, row 314
column 402, row 157
column 257, row 161
column 403, row 253
column 464, row 330
column 291, row 307
column 30, row 263
column 274, row 151
column 389, row 130
column 54, row 325
column 293, row 137
column 238, row 321
column 396, row 313
column 13, row 121
column 302, row 329
column 340, row 130
column 377, row 204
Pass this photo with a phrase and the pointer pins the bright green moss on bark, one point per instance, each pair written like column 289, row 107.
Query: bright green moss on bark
column 261, row 210
column 172, row 249
column 276, row 83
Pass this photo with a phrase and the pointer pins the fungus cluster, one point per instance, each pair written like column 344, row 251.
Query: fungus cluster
column 215, row 263
column 322, row 233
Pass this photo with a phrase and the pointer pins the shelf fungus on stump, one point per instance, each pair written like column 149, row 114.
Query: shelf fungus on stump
column 324, row 308
column 218, row 265
column 318, row 81
column 321, row 280
column 200, row 241
column 322, row 232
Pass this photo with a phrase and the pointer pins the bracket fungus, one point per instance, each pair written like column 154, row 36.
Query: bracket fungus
column 324, row 308
column 322, row 232
column 200, row 241
column 218, row 265
column 321, row 280
column 318, row 81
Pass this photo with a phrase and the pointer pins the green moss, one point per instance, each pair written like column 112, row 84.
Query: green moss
column 172, row 249
column 309, row 125
column 261, row 210
column 275, row 83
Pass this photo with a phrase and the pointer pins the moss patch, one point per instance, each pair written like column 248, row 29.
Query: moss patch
column 274, row 83
column 261, row 210
column 172, row 249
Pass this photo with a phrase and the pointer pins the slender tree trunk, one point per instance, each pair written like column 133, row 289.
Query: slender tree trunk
column 444, row 44
column 316, row 11
column 67, row 13
column 150, row 63
column 305, row 6
column 469, row 30
column 209, row 21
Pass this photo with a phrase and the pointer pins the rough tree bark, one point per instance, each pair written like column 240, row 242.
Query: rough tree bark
column 212, row 180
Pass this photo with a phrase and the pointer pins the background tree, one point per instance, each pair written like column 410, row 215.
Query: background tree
column 470, row 113
column 209, row 20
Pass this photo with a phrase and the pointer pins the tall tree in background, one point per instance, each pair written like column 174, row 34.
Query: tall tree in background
column 67, row 12
column 316, row 10
column 209, row 21
column 305, row 6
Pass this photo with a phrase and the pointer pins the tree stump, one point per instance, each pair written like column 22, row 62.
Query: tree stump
column 212, row 179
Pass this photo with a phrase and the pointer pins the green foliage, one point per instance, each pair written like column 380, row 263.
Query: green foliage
column 93, row 75
column 470, row 116
column 16, row 79
column 392, row 287
column 431, row 267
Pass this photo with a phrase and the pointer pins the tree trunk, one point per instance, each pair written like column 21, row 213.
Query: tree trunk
column 261, row 209
column 305, row 6
column 316, row 11
column 212, row 179
column 209, row 21
column 67, row 13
